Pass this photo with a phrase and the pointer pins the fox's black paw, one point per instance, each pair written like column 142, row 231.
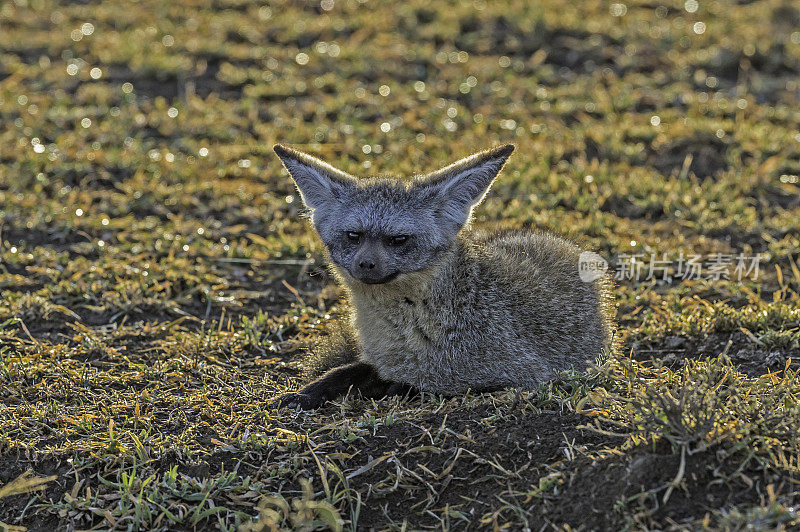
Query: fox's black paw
column 399, row 388
column 299, row 400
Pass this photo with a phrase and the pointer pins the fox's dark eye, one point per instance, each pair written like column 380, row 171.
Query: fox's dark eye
column 398, row 240
column 353, row 236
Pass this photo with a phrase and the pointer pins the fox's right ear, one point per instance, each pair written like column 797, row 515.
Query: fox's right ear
column 317, row 181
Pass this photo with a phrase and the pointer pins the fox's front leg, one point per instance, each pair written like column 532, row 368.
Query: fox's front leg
column 360, row 376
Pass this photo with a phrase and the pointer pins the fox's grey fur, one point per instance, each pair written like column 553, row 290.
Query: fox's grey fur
column 439, row 307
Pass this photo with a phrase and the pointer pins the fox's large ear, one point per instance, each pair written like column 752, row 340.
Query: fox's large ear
column 463, row 184
column 317, row 181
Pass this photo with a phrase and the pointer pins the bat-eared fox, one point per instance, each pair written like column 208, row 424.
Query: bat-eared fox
column 436, row 306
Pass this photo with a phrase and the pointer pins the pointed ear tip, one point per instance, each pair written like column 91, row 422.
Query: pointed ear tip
column 281, row 150
column 503, row 151
column 506, row 149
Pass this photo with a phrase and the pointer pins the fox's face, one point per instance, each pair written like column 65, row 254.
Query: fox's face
column 376, row 229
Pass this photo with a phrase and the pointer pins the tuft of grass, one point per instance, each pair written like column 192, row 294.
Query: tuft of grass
column 303, row 513
column 22, row 485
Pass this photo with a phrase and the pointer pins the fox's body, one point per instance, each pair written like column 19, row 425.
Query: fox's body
column 500, row 310
column 440, row 308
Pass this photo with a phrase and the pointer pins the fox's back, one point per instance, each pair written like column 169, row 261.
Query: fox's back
column 534, row 277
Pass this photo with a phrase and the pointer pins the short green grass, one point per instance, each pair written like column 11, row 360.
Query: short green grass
column 158, row 283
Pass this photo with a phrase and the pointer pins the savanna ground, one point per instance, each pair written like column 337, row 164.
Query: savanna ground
column 159, row 284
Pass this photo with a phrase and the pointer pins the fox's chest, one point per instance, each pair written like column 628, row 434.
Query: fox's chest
column 398, row 336
column 406, row 323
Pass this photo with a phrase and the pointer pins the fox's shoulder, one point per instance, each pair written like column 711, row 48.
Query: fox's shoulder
column 521, row 245
column 526, row 261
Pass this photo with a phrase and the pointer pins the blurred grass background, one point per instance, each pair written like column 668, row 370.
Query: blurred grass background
column 152, row 252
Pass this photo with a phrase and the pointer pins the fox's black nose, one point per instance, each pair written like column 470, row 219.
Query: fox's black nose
column 366, row 265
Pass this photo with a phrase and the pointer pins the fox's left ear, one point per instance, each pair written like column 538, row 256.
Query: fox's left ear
column 318, row 182
column 463, row 185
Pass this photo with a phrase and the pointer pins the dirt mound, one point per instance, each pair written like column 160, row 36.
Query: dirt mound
column 639, row 482
column 480, row 457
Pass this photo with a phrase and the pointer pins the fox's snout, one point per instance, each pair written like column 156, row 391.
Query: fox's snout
column 369, row 265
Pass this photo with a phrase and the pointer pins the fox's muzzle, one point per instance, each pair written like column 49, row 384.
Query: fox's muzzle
column 369, row 265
